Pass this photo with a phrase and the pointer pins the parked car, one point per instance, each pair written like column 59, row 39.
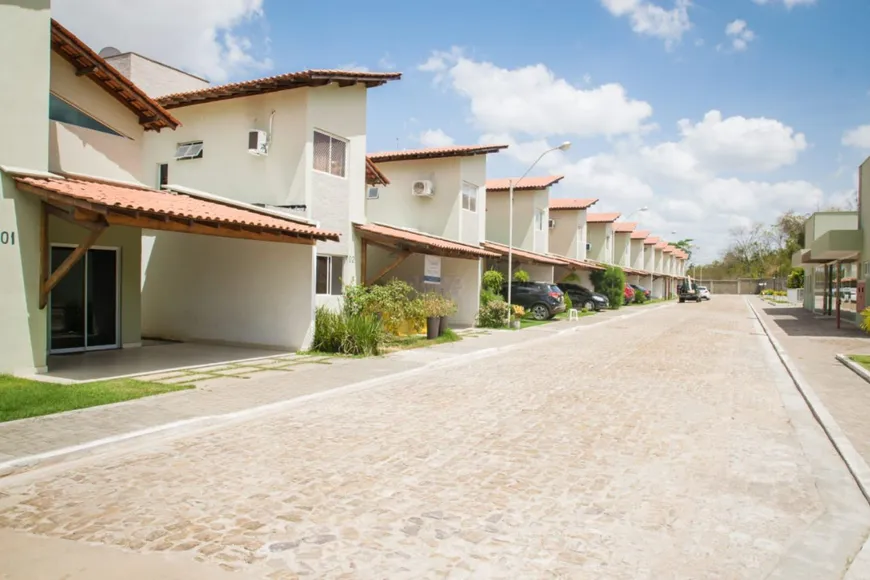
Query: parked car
column 688, row 290
column 582, row 297
column 628, row 294
column 704, row 293
column 637, row 289
column 542, row 300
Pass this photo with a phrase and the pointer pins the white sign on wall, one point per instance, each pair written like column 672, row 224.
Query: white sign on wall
column 431, row 269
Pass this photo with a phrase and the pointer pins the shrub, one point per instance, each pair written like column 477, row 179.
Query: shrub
column 521, row 276
column 640, row 297
column 394, row 303
column 518, row 312
column 611, row 283
column 796, row 278
column 493, row 280
column 493, row 314
column 865, row 320
column 340, row 333
column 486, row 297
column 568, row 304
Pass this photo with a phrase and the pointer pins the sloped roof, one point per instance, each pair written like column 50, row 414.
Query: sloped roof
column 624, row 227
column 652, row 240
column 527, row 183
column 639, row 235
column 524, row 255
column 282, row 82
column 602, row 218
column 435, row 152
column 88, row 63
column 374, row 176
column 582, row 264
column 419, row 242
column 130, row 201
column 574, row 203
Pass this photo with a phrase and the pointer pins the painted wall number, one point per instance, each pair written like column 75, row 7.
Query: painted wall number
column 7, row 238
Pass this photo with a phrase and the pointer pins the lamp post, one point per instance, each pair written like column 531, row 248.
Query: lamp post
column 563, row 147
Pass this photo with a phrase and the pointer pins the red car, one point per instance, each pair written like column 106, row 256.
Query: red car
column 628, row 296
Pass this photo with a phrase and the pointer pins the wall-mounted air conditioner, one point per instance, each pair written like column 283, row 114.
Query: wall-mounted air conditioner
column 551, row 224
column 422, row 188
column 372, row 193
column 258, row 143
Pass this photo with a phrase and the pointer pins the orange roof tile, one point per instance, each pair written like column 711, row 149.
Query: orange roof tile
column 504, row 183
column 435, row 152
column 624, row 227
column 670, row 249
column 576, row 203
column 105, row 196
column 87, row 62
column 639, row 235
column 375, row 176
column 602, row 218
column 282, row 82
column 583, row 265
column 652, row 240
column 420, row 242
column 524, row 255
column 661, row 245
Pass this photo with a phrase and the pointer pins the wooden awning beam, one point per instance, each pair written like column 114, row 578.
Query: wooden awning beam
column 401, row 257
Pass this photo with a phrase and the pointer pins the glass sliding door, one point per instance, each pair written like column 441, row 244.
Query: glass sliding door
column 84, row 305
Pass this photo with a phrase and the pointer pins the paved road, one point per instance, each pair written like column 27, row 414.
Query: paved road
column 666, row 445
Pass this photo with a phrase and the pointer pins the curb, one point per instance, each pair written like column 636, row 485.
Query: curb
column 854, row 462
column 859, row 370
column 22, row 465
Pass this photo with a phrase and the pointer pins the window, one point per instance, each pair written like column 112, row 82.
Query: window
column 329, row 154
column 162, row 175
column 191, row 150
column 540, row 219
column 469, row 196
column 329, row 270
column 64, row 112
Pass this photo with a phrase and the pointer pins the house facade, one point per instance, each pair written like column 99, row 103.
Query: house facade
column 600, row 246
column 531, row 223
column 426, row 226
column 639, row 257
column 75, row 199
column 569, row 238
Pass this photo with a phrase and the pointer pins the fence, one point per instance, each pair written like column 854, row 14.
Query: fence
column 743, row 285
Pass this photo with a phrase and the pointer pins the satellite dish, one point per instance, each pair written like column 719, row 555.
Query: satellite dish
column 109, row 52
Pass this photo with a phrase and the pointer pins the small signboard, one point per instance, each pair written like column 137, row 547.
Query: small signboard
column 431, row 269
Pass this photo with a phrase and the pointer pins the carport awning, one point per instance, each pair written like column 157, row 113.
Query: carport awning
column 581, row 264
column 93, row 202
column 842, row 245
column 395, row 238
column 524, row 255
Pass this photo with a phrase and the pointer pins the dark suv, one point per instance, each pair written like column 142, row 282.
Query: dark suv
column 540, row 299
column 583, row 297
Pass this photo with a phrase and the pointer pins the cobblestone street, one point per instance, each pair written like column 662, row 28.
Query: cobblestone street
column 669, row 444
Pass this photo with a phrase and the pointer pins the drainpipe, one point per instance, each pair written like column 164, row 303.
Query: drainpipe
column 837, row 266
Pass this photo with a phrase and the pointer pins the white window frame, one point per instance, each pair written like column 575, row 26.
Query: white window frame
column 329, row 265
column 332, row 138
column 467, row 186
column 540, row 220
column 189, row 150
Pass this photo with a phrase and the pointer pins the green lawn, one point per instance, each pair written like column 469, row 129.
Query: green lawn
column 419, row 341
column 22, row 398
column 861, row 359
column 528, row 322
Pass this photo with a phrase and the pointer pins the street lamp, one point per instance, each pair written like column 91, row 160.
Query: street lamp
column 638, row 210
column 563, row 147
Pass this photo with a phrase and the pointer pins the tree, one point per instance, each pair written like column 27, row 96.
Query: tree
column 684, row 245
column 611, row 283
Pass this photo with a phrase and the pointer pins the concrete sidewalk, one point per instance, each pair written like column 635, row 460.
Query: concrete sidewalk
column 44, row 436
column 812, row 341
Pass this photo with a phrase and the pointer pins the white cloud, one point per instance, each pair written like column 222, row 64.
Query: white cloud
column 352, row 66
column 435, row 138
column 740, row 34
column 650, row 19
column 531, row 100
column 205, row 37
column 386, row 63
column 740, row 143
column 787, row 3
column 859, row 137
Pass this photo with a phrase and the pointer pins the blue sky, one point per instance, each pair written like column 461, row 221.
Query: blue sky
column 787, row 82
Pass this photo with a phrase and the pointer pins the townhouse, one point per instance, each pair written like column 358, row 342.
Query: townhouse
column 529, row 242
column 426, row 222
column 78, row 190
column 569, row 239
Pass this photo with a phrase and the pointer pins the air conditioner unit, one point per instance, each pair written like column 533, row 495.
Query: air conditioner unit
column 258, row 143
column 551, row 223
column 422, row 188
column 372, row 193
column 588, row 246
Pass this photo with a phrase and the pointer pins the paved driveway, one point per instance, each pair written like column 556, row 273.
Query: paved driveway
column 666, row 445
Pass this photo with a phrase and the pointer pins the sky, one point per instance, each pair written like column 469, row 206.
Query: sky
column 712, row 114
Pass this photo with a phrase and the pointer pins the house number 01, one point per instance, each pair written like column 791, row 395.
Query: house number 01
column 7, row 238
